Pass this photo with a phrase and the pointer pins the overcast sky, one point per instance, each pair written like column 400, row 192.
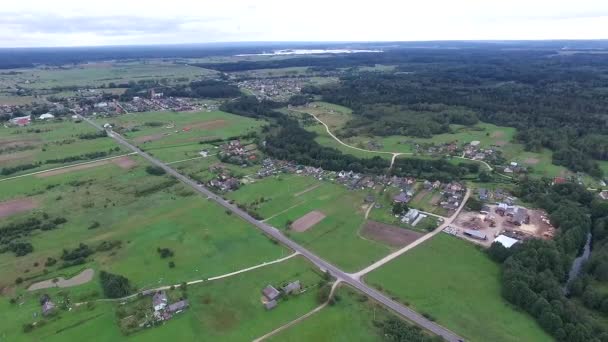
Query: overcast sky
column 119, row 22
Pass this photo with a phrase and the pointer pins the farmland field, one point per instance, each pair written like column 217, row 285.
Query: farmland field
column 172, row 136
column 336, row 237
column 51, row 144
column 96, row 74
column 458, row 285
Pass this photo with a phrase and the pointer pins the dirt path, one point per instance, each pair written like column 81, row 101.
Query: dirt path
column 66, row 167
column 394, row 154
column 17, row 206
column 306, row 190
column 301, row 318
column 79, row 279
column 412, row 245
column 194, row 282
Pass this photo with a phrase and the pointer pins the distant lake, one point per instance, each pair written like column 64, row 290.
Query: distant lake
column 306, row 52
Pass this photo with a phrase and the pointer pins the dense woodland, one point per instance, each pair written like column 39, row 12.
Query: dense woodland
column 557, row 102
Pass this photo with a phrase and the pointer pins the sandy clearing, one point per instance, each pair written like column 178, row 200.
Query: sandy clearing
column 501, row 143
column 72, row 169
column 79, row 279
column 149, row 138
column 306, row 190
column 125, row 163
column 531, row 161
column 390, row 235
column 17, row 206
column 8, row 143
column 497, row 134
column 307, row 221
column 16, row 156
column 213, row 124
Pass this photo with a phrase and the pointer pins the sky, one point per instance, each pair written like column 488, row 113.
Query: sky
column 37, row 23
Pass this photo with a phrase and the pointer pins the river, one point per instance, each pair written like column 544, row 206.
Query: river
column 578, row 263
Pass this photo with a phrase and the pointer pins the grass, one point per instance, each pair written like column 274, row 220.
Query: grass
column 177, row 135
column 335, row 238
column 350, row 319
column 458, row 285
column 206, row 240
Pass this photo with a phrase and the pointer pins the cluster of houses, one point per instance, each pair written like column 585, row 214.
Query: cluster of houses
column 236, row 153
column 514, row 167
column 497, row 195
column 270, row 295
column 157, row 102
column 163, row 310
column 277, row 89
column 453, row 194
column 224, row 181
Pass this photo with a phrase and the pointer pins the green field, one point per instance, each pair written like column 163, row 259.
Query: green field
column 458, row 285
column 43, row 141
column 350, row 319
column 172, row 136
column 227, row 309
column 336, row 237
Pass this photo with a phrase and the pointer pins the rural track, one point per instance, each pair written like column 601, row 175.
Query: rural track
column 194, row 282
column 301, row 318
column 275, row 234
column 394, row 154
column 67, row 166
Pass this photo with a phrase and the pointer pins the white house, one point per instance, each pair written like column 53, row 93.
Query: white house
column 46, row 116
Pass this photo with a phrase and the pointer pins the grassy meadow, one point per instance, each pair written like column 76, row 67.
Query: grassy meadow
column 455, row 283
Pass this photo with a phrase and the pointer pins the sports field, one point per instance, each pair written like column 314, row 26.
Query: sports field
column 456, row 284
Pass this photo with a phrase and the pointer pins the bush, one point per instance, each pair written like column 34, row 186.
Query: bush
column 114, row 285
column 155, row 170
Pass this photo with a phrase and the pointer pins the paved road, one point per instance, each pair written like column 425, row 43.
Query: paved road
column 278, row 236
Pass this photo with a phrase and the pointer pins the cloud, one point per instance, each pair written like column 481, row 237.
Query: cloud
column 76, row 22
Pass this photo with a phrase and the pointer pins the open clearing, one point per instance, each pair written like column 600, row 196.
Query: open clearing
column 125, row 163
column 17, row 206
column 305, row 222
column 458, row 285
column 391, row 235
column 72, row 169
column 79, row 279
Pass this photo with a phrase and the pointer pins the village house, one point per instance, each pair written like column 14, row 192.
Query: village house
column 410, row 216
column 291, row 288
column 177, row 307
column 402, row 198
column 483, row 194
column 270, row 296
column 159, row 300
column 48, row 307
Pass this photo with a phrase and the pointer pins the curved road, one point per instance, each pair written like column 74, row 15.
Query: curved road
column 278, row 236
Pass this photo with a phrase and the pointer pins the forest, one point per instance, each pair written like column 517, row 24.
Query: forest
column 557, row 102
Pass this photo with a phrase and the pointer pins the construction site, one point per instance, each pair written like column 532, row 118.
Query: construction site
column 516, row 222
